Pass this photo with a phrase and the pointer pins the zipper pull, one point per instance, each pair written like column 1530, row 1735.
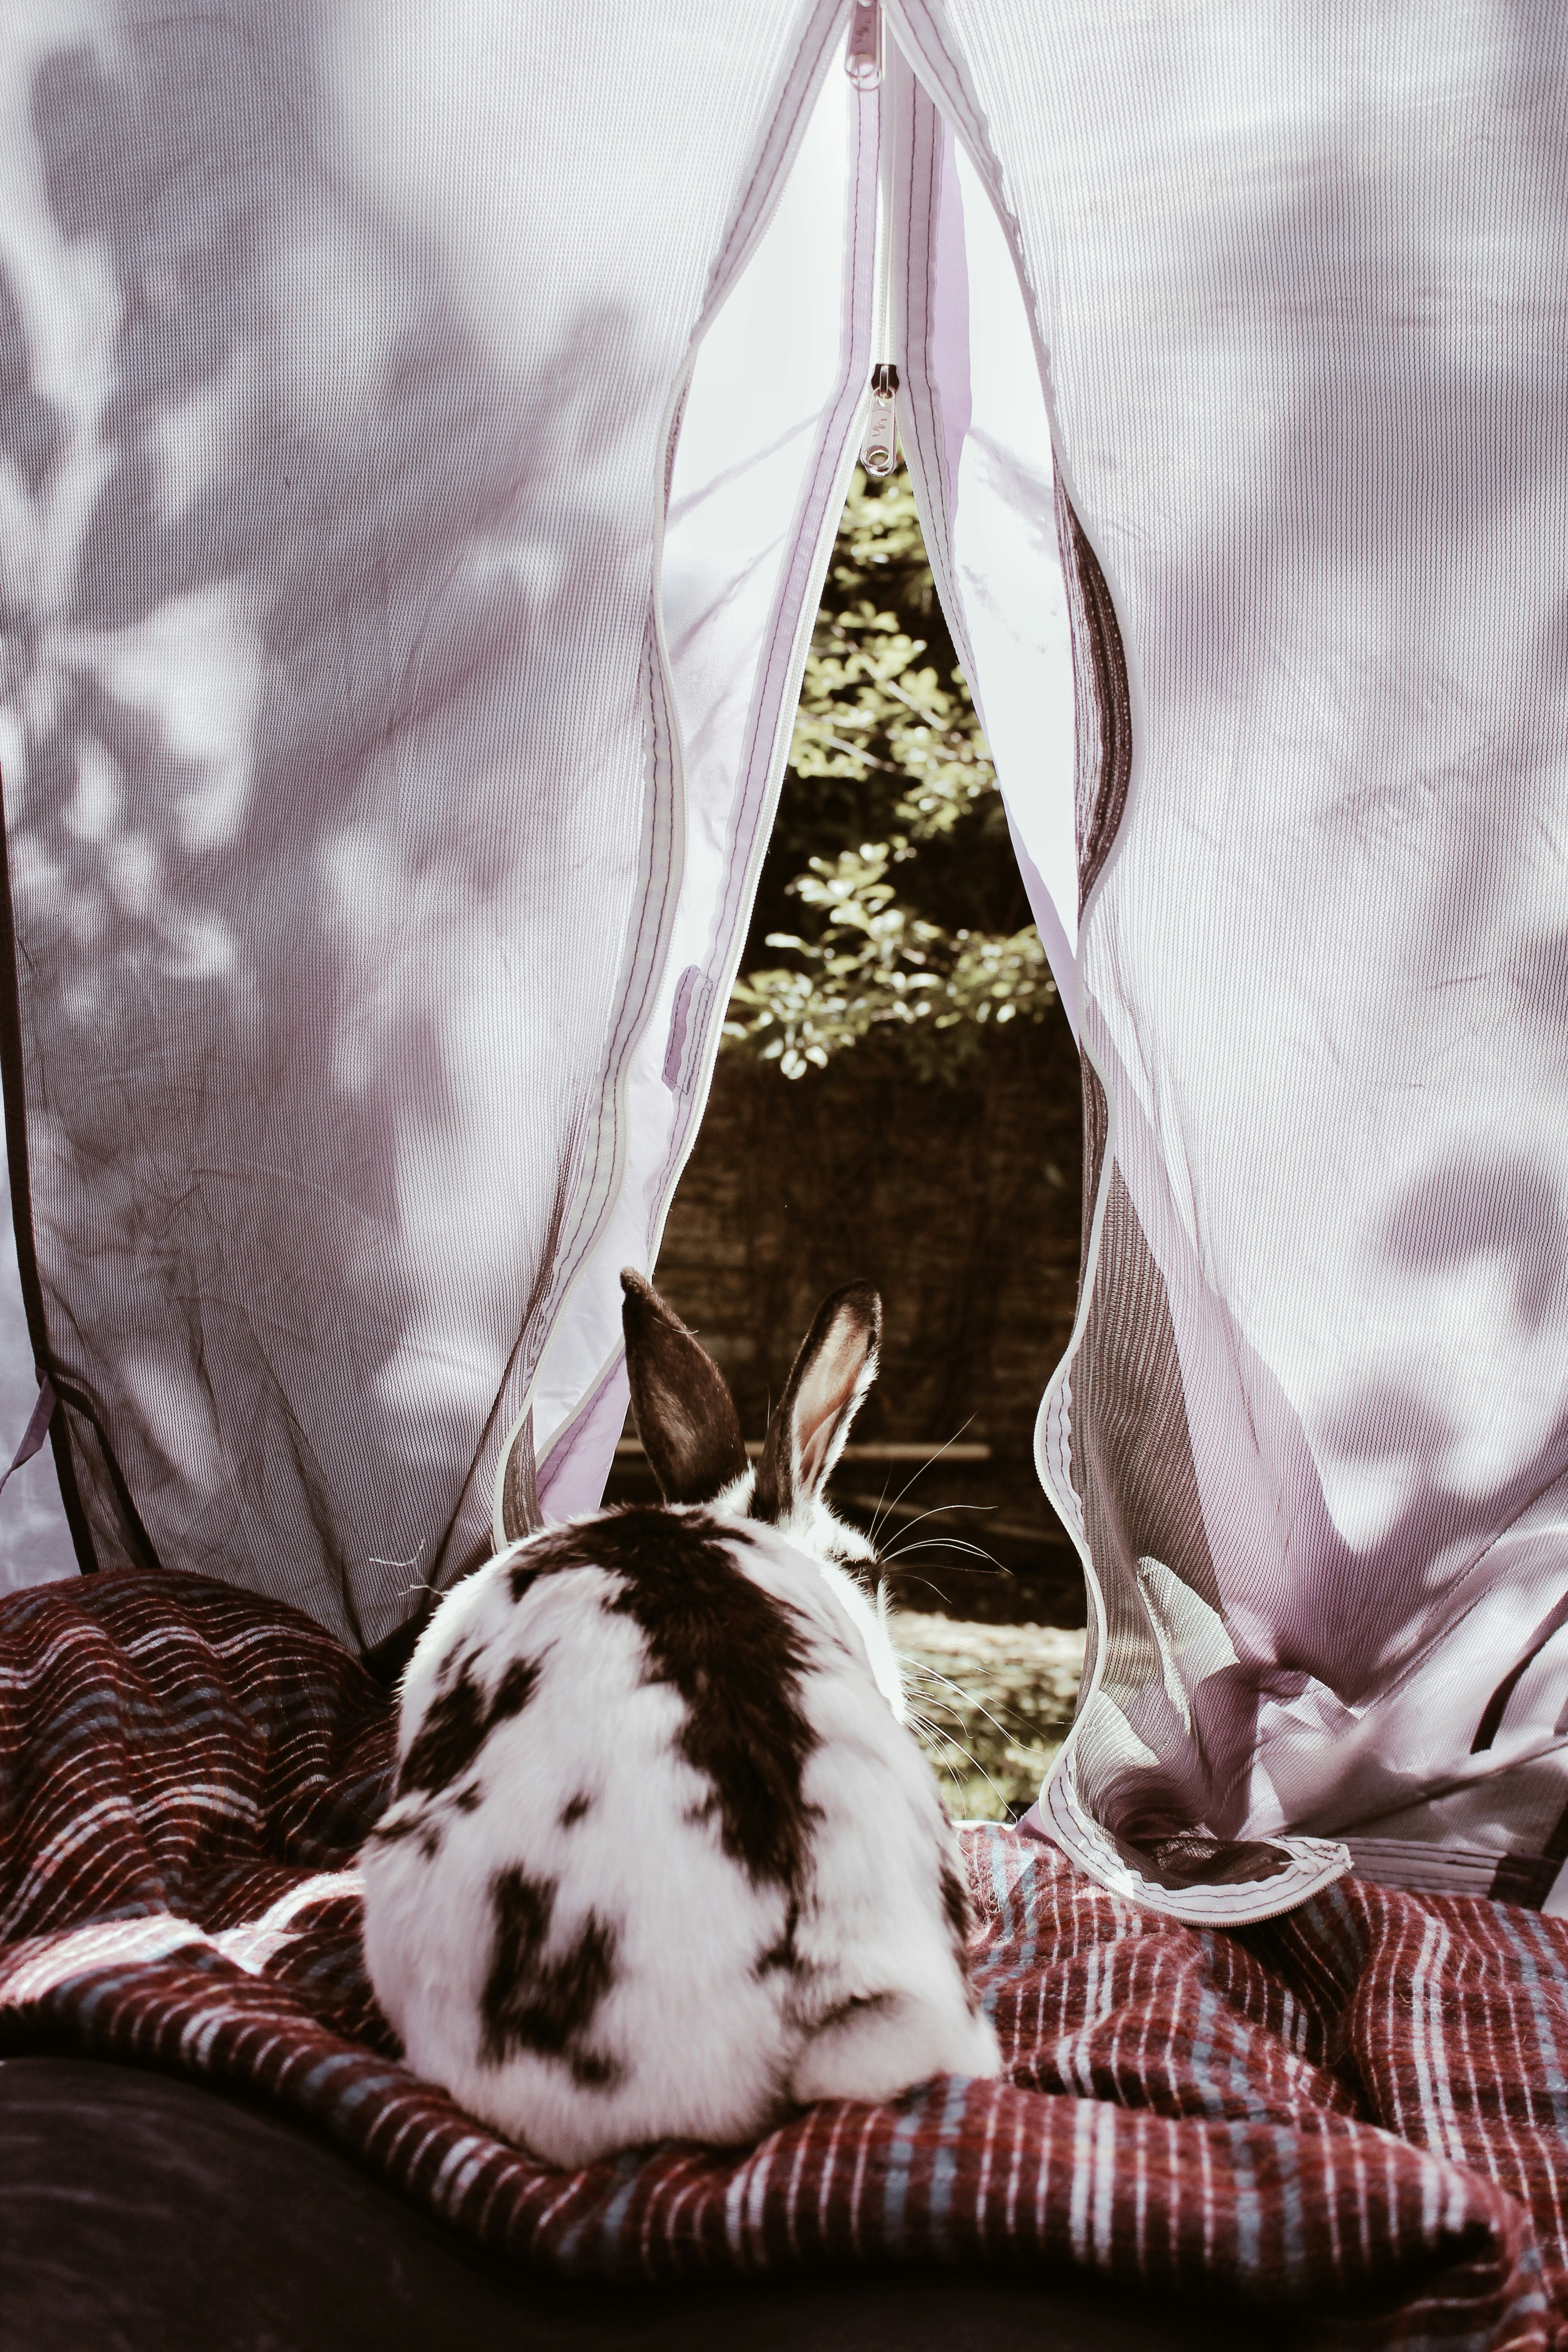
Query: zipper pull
column 879, row 451
column 863, row 56
column 863, row 64
column 880, row 448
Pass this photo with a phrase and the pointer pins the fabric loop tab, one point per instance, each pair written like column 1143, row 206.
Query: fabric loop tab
column 36, row 1429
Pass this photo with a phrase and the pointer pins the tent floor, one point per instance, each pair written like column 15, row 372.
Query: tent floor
column 142, row 2213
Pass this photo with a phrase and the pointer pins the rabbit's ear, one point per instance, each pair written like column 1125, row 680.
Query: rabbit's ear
column 836, row 1366
column 686, row 1415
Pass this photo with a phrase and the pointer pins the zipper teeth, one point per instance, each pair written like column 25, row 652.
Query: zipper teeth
column 882, row 336
column 863, row 63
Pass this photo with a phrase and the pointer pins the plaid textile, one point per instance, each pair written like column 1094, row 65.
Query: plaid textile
column 1364, row 2098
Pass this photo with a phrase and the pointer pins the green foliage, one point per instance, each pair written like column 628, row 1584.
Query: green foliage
column 892, row 851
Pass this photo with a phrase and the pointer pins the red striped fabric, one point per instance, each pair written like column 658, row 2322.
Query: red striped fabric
column 1361, row 2107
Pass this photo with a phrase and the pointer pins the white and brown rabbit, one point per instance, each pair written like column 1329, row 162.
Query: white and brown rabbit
column 663, row 1858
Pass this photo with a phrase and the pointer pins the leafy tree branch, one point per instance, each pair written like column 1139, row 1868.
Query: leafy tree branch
column 892, row 851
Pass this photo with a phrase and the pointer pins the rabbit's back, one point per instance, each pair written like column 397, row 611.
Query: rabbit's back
column 654, row 1825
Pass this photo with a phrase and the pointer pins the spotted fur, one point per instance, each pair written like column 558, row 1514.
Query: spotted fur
column 545, row 2004
column 460, row 1720
column 664, row 1859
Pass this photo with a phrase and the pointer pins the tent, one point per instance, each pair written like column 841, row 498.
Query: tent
column 423, row 434
column 422, row 431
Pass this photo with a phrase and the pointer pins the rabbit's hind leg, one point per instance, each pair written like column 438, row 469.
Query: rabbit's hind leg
column 878, row 2044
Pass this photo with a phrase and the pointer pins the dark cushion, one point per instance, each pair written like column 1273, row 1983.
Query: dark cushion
column 142, row 2213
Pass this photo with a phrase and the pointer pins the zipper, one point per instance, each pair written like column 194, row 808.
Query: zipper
column 863, row 64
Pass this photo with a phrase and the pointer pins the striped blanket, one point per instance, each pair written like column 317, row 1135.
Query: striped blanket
column 1360, row 2108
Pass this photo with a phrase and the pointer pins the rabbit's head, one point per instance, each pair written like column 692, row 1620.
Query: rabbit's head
column 690, row 1432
